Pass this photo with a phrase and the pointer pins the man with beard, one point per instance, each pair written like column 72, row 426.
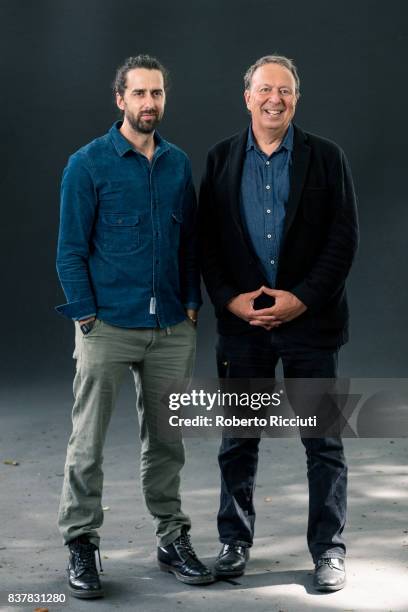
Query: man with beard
column 278, row 233
column 127, row 263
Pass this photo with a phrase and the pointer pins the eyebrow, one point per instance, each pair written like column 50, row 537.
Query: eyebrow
column 140, row 89
column 278, row 86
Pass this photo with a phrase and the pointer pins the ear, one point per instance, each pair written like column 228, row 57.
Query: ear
column 120, row 103
column 247, row 96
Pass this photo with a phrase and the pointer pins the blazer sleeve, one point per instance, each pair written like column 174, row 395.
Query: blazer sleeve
column 219, row 289
column 188, row 255
column 333, row 265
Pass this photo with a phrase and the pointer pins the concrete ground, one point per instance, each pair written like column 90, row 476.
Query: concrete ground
column 35, row 424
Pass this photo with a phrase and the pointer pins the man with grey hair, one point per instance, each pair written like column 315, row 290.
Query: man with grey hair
column 278, row 234
column 127, row 261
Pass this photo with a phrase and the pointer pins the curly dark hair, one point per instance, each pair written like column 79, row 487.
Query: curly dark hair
column 137, row 61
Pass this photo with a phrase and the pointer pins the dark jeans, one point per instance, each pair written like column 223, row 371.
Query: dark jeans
column 255, row 355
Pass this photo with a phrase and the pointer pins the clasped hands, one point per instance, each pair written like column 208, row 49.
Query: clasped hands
column 287, row 307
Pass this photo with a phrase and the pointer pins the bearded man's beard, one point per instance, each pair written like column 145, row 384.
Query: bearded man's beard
column 142, row 125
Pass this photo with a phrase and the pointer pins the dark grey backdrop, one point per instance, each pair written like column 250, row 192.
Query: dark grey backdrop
column 57, row 61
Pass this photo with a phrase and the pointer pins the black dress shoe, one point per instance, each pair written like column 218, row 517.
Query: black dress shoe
column 330, row 574
column 83, row 579
column 231, row 561
column 180, row 559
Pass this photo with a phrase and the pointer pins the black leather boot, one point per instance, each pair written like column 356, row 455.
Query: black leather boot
column 231, row 561
column 180, row 559
column 330, row 574
column 83, row 579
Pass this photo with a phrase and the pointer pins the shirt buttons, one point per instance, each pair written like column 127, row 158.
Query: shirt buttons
column 268, row 187
column 268, row 210
column 272, row 261
column 267, row 163
column 269, row 235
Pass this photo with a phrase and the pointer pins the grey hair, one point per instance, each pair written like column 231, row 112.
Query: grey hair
column 273, row 59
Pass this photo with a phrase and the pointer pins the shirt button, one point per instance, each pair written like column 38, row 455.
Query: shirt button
column 268, row 186
column 272, row 261
column 267, row 163
column 268, row 210
column 269, row 235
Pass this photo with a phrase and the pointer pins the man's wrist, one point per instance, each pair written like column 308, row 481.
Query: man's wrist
column 87, row 319
column 192, row 314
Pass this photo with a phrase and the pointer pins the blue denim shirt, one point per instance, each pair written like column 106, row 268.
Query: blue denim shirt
column 127, row 239
column 264, row 194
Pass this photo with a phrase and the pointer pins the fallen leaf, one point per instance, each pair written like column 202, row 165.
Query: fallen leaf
column 10, row 462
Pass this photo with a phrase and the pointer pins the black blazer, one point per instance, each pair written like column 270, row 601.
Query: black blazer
column 319, row 242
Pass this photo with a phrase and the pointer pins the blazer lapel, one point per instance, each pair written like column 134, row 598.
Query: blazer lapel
column 300, row 164
column 235, row 165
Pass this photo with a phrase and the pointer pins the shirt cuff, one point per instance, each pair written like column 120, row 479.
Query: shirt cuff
column 82, row 317
column 192, row 306
column 77, row 310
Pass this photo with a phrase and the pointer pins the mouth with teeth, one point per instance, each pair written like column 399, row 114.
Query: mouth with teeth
column 273, row 112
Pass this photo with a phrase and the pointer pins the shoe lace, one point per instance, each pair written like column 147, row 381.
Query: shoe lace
column 185, row 542
column 226, row 548
column 84, row 555
column 326, row 561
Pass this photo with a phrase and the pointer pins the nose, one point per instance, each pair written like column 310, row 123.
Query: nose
column 275, row 96
column 148, row 100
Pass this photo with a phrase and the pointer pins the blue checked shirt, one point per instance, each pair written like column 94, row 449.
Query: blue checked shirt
column 264, row 194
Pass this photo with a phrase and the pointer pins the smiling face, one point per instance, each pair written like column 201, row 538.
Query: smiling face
column 143, row 99
column 271, row 99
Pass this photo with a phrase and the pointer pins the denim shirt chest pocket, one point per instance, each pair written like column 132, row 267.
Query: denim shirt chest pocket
column 112, row 192
column 119, row 232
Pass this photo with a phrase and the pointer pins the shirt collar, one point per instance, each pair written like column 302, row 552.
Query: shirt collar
column 286, row 143
column 122, row 145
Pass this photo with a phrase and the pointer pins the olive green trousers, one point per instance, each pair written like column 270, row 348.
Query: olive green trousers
column 157, row 357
